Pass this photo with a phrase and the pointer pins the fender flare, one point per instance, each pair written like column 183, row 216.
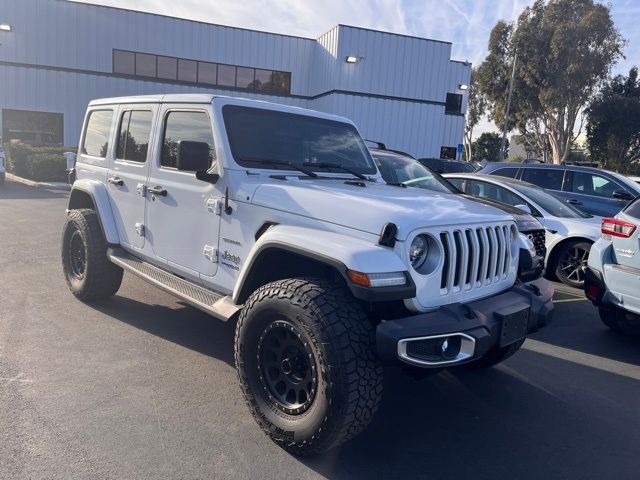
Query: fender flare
column 100, row 198
column 335, row 250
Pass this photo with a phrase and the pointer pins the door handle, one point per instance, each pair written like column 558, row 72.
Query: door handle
column 157, row 190
column 573, row 201
column 117, row 181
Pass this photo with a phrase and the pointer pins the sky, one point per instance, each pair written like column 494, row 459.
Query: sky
column 465, row 23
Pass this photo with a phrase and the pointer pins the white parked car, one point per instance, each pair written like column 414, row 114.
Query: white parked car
column 276, row 218
column 635, row 179
column 570, row 232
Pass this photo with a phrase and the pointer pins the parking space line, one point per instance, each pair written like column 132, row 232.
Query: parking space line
column 586, row 359
column 570, row 300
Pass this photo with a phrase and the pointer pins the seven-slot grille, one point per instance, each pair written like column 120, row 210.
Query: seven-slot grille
column 474, row 257
column 538, row 237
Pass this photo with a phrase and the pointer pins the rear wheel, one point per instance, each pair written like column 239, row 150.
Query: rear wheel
column 88, row 272
column 304, row 352
column 619, row 320
column 571, row 262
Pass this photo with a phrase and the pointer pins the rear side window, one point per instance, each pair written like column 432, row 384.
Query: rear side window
column 133, row 137
column 190, row 126
column 586, row 183
column 544, row 177
column 96, row 137
column 508, row 172
column 633, row 209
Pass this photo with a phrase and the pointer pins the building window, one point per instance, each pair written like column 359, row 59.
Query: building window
column 124, row 62
column 96, row 137
column 39, row 129
column 201, row 73
column 453, row 105
column 448, row 153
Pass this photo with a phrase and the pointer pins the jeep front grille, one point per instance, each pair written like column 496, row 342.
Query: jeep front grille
column 474, row 257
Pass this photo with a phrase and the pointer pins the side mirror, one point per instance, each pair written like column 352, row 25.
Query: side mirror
column 71, row 160
column 524, row 208
column 192, row 156
column 622, row 195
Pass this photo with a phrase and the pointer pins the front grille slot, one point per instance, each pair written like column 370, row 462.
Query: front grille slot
column 474, row 257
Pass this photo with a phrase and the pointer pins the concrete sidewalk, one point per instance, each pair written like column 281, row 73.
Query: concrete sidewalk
column 32, row 183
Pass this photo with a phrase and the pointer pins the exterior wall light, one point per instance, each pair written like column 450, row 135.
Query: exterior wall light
column 463, row 86
column 351, row 59
column 5, row 27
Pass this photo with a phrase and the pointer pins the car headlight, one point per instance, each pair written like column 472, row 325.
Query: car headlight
column 418, row 251
column 527, row 244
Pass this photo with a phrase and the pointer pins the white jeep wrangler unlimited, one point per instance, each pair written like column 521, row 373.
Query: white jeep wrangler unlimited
column 277, row 218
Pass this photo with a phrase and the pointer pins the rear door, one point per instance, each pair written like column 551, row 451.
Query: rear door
column 593, row 193
column 627, row 249
column 129, row 170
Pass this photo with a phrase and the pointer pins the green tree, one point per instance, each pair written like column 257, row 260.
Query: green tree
column 476, row 108
column 565, row 50
column 613, row 123
column 487, row 147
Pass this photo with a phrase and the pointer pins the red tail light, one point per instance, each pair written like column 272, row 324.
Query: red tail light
column 617, row 228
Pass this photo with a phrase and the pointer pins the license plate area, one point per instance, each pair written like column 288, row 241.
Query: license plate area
column 514, row 324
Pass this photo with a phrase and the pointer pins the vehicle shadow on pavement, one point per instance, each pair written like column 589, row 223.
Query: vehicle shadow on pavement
column 185, row 326
column 16, row 191
column 485, row 424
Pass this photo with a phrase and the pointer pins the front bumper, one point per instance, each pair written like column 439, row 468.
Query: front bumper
column 469, row 330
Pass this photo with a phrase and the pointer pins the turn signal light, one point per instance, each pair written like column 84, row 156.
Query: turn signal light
column 377, row 279
column 617, row 228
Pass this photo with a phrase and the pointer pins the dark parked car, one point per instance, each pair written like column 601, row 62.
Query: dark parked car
column 447, row 166
column 598, row 192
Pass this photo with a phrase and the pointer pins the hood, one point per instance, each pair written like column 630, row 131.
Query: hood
column 524, row 221
column 368, row 206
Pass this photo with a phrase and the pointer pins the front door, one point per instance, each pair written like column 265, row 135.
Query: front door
column 129, row 171
column 182, row 227
column 593, row 193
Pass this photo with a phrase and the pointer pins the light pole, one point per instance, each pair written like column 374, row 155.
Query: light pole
column 503, row 146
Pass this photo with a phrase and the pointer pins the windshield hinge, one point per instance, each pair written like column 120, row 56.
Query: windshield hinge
column 214, row 206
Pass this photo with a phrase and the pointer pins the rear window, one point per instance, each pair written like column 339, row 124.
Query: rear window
column 96, row 137
column 544, row 177
column 633, row 209
column 509, row 172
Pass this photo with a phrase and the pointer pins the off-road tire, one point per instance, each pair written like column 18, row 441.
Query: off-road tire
column 619, row 320
column 558, row 255
column 100, row 278
column 341, row 338
column 496, row 355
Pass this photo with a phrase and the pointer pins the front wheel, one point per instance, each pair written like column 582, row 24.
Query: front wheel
column 304, row 351
column 571, row 262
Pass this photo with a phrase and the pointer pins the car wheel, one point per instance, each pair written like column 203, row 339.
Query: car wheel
column 88, row 272
column 304, row 351
column 619, row 320
column 571, row 262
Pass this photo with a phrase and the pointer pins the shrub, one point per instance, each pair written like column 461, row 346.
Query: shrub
column 42, row 164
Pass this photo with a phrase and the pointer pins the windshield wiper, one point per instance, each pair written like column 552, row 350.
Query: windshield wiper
column 325, row 165
column 281, row 163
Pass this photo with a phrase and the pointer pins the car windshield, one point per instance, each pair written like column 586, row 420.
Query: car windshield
column 262, row 138
column 396, row 169
column 552, row 204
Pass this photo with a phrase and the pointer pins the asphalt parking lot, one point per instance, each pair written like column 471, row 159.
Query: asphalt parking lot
column 142, row 386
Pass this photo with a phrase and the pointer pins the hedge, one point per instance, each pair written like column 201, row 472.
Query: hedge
column 42, row 164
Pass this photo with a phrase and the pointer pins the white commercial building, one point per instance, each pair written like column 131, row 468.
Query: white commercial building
column 56, row 55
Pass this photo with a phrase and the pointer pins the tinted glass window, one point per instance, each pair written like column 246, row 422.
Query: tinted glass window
column 547, row 178
column 207, row 72
column 227, row 75
column 506, row 172
column 187, row 70
column 263, row 79
column 96, row 137
column 586, row 183
column 488, row 190
column 244, row 77
column 633, row 209
column 145, row 65
column 453, row 104
column 552, row 204
column 124, row 62
column 168, row 68
column 281, row 83
column 191, row 126
column 409, row 172
column 258, row 135
column 133, row 137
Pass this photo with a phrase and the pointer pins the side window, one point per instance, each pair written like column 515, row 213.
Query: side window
column 544, row 177
column 96, row 137
column 508, row 172
column 191, row 126
column 586, row 183
column 633, row 209
column 459, row 183
column 133, row 136
column 492, row 192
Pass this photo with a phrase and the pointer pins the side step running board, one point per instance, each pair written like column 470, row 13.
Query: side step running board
column 218, row 305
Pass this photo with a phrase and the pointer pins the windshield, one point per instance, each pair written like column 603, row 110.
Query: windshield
column 396, row 169
column 267, row 136
column 552, row 204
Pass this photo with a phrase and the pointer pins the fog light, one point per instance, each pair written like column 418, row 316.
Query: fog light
column 449, row 348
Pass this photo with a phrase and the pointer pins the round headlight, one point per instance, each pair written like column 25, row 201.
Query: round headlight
column 418, row 251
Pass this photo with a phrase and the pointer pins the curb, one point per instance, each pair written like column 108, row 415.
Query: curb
column 32, row 183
